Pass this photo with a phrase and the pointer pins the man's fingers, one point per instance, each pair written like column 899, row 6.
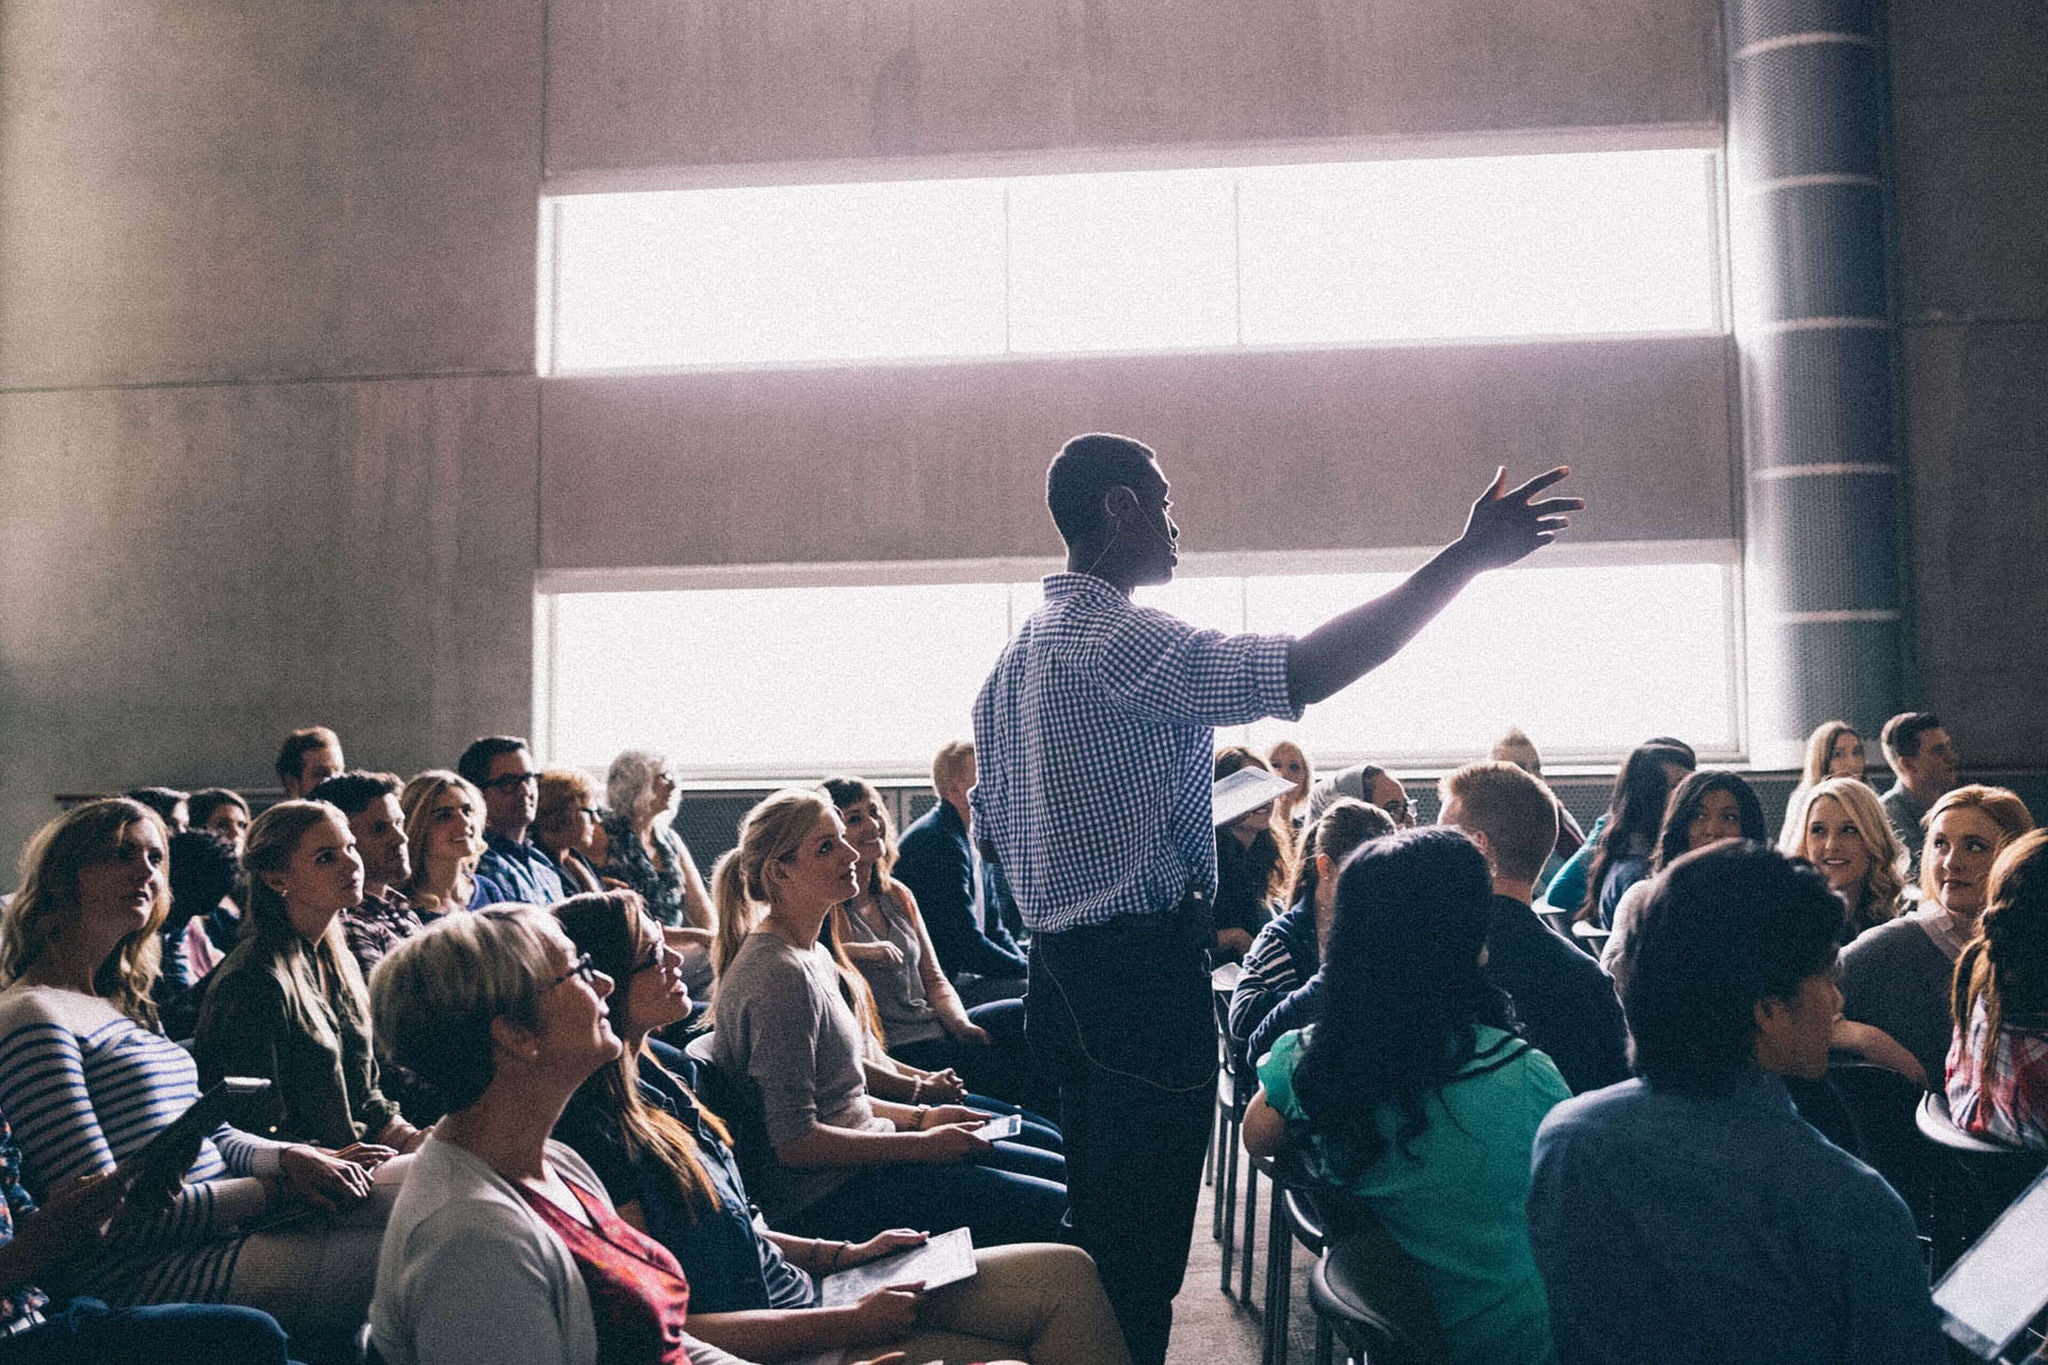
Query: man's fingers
column 1535, row 485
column 1552, row 525
column 1550, row 507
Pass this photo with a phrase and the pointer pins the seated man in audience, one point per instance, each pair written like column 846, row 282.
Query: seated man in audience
column 1692, row 1215
column 173, row 805
column 502, row 769
column 370, row 801
column 936, row 861
column 1923, row 757
column 308, row 758
column 1564, row 1001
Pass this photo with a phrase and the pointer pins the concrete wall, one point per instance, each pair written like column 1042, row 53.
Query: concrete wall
column 268, row 425
column 1970, row 97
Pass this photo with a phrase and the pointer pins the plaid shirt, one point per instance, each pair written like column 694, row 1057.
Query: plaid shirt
column 376, row 926
column 1095, row 752
column 16, row 1300
column 1998, row 1090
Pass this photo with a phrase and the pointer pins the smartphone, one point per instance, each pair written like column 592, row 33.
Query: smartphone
column 1000, row 1127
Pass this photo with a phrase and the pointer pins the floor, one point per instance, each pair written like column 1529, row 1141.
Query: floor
column 1211, row 1328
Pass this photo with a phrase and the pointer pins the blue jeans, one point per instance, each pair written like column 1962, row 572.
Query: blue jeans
column 1120, row 1014
column 1011, row 1193
column 1038, row 1131
column 87, row 1332
column 1004, row 1068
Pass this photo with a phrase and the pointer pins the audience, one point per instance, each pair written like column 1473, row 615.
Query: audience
column 172, row 806
column 220, row 811
column 1923, row 761
column 1517, row 748
column 444, row 842
column 1288, row 760
column 1563, row 1001
column 1896, row 978
column 1709, row 806
column 307, row 758
column 1998, row 1067
column 849, row 1166
column 1367, row 782
column 502, row 1248
column 920, row 1015
column 1691, row 1214
column 1567, row 890
column 376, row 820
column 1414, row 1092
column 1254, row 863
column 202, row 927
column 938, row 864
column 668, row 1165
column 1842, row 831
column 288, row 1005
column 1621, row 848
column 647, row 855
column 89, row 1080
column 513, row 866
column 1834, row 749
column 566, row 821
column 1279, row 988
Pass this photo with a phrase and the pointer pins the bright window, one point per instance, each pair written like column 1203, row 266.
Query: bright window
column 765, row 682
column 1317, row 254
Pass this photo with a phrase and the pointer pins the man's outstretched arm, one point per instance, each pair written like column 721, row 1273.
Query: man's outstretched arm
column 1505, row 525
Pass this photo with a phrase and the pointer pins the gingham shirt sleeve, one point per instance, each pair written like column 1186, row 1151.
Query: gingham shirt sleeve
column 1161, row 669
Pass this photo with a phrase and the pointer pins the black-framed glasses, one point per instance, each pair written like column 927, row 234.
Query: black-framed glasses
column 593, row 812
column 510, row 780
column 583, row 967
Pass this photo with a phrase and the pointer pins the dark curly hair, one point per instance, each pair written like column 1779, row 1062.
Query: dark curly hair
column 1675, row 841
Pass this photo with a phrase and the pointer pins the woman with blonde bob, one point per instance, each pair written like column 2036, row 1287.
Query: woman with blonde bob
column 1998, row 1065
column 1896, row 977
column 444, row 833
column 850, row 1165
column 87, row 1080
column 289, row 1002
column 1841, row 830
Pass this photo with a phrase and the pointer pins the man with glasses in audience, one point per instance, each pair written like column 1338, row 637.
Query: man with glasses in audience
column 1095, row 742
column 502, row 768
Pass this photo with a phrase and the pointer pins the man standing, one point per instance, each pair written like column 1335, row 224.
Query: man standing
column 1095, row 740
column 502, row 769
column 308, row 758
column 1923, row 759
column 936, row 861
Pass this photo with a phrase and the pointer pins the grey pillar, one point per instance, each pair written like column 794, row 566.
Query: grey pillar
column 1824, row 551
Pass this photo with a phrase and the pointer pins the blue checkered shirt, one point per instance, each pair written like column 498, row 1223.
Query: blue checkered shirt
column 1095, row 752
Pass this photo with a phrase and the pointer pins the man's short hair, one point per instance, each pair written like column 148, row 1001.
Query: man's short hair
column 352, row 792
column 162, row 800
column 1515, row 742
column 949, row 760
column 1901, row 738
column 1086, row 468
column 203, row 804
column 475, row 763
column 1725, row 927
column 291, row 759
column 1515, row 812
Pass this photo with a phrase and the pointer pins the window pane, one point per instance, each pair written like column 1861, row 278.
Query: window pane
column 1136, row 262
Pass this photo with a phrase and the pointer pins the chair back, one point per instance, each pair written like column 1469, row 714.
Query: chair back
column 1374, row 1294
column 737, row 1100
column 1973, row 1180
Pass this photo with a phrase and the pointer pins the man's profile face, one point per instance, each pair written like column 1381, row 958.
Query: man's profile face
column 315, row 767
column 1935, row 764
column 1146, row 526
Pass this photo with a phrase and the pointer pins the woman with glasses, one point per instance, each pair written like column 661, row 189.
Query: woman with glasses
column 668, row 1164
column 645, row 854
column 849, row 1165
column 566, row 824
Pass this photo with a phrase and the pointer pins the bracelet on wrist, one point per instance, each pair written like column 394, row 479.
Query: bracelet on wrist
column 917, row 1117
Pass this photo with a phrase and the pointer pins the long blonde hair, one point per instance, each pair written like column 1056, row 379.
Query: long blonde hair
column 417, row 799
column 48, row 899
column 1294, row 803
column 772, row 831
column 278, row 948
column 1888, row 857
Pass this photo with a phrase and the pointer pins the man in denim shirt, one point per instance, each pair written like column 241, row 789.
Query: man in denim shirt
column 513, row 865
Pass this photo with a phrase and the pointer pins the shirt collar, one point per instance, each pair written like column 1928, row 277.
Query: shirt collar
column 1950, row 934
column 1079, row 585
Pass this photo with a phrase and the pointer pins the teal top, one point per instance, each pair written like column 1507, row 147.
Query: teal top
column 1458, row 1204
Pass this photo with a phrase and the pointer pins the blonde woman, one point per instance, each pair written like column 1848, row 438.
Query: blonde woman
column 88, row 1080
column 289, row 1003
column 1841, row 830
column 1834, row 749
column 1290, row 761
column 850, row 1165
column 444, row 833
column 1896, row 977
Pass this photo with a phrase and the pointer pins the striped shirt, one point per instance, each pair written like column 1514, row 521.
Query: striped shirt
column 1094, row 743
column 86, row 1087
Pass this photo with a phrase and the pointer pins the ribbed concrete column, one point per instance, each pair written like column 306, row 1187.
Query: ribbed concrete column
column 1824, row 550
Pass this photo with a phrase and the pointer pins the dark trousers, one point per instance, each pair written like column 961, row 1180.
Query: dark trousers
column 1003, row 1068
column 1119, row 1013
column 1010, row 1193
column 87, row 1332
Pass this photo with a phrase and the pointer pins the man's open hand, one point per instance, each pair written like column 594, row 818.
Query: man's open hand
column 1505, row 524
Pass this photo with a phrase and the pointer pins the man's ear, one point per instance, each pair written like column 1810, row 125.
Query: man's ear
column 1478, row 837
column 1771, row 1015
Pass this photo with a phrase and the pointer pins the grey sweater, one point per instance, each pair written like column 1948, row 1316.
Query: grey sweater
column 1896, row 978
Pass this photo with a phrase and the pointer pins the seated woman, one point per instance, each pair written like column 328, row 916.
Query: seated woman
column 668, row 1165
column 1620, row 852
column 1834, row 749
column 920, row 1013
column 1254, row 862
column 1274, row 993
column 1290, row 761
column 503, row 1248
column 220, row 811
column 90, row 1081
column 1896, row 978
column 1709, row 806
column 565, row 825
column 849, row 1165
column 645, row 854
column 289, row 1005
column 1843, row 832
column 1691, row 1214
column 1998, row 1066
column 444, row 836
column 1415, row 1094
